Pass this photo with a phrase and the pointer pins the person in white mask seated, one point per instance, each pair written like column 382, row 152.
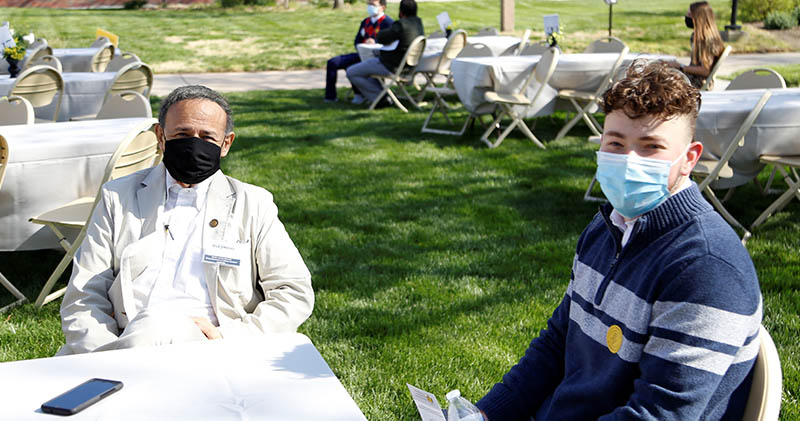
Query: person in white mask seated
column 180, row 252
column 661, row 316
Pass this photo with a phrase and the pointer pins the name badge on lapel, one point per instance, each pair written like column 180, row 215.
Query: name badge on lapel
column 227, row 253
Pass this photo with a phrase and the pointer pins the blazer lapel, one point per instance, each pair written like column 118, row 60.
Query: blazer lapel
column 150, row 199
column 219, row 206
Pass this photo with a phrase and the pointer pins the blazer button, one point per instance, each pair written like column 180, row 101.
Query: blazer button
column 213, row 223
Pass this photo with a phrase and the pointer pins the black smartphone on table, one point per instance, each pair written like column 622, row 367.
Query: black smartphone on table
column 81, row 396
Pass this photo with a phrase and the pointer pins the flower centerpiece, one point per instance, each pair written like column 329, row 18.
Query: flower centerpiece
column 449, row 29
column 553, row 38
column 15, row 54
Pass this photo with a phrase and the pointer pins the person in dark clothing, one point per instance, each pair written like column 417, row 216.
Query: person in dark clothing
column 375, row 22
column 403, row 30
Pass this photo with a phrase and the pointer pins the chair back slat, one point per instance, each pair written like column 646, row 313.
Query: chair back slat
column 761, row 78
column 708, row 84
column 4, row 156
column 125, row 105
column 414, row 52
column 140, row 153
column 39, row 85
column 455, row 44
column 605, row 45
column 102, row 57
column 476, row 49
column 135, row 77
column 15, row 110
column 119, row 61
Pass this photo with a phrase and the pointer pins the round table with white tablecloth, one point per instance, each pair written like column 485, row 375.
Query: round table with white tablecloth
column 51, row 164
column 84, row 94
column 583, row 72
column 72, row 59
column 775, row 131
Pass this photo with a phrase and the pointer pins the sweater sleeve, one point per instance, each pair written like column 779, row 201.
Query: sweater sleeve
column 703, row 340
column 536, row 374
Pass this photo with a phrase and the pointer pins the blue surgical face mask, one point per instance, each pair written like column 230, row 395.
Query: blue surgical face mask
column 634, row 185
column 373, row 10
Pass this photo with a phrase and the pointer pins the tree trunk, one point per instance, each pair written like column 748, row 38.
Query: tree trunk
column 337, row 4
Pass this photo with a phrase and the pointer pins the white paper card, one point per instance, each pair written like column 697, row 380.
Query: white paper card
column 6, row 40
column 550, row 24
column 427, row 405
column 444, row 20
column 391, row 47
column 610, row 2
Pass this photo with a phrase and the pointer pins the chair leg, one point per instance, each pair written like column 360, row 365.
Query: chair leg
column 396, row 100
column 724, row 212
column 14, row 291
column 570, row 124
column 588, row 195
column 781, row 201
column 525, row 129
column 45, row 296
column 409, row 97
column 494, row 124
column 378, row 98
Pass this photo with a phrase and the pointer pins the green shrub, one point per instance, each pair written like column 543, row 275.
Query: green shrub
column 134, row 4
column 234, row 3
column 796, row 15
column 779, row 20
column 231, row 3
column 757, row 10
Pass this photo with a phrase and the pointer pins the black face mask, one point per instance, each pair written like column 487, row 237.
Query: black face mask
column 689, row 22
column 191, row 160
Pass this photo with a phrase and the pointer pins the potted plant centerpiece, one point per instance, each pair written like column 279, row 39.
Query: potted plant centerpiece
column 15, row 54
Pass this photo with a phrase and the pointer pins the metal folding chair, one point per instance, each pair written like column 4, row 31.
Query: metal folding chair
column 709, row 82
column 605, row 45
column 591, row 99
column 15, row 110
column 40, row 85
column 764, row 400
column 709, row 170
column 20, row 297
column 402, row 76
column 137, row 151
column 541, row 72
column 792, row 179
column 455, row 43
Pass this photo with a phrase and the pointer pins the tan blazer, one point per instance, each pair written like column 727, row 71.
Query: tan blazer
column 271, row 294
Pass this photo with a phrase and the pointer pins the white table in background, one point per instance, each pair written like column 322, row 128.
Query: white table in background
column 776, row 131
column 84, row 94
column 51, row 164
column 279, row 377
column 435, row 46
column 574, row 71
column 77, row 59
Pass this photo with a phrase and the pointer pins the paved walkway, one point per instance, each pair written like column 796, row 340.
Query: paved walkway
column 315, row 79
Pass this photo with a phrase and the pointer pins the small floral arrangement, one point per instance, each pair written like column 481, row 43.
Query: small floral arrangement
column 554, row 38
column 17, row 52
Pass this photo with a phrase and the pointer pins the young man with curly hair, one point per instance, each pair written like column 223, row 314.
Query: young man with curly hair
column 660, row 319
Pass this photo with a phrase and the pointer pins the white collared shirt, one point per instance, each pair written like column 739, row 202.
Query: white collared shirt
column 375, row 18
column 178, row 281
column 627, row 226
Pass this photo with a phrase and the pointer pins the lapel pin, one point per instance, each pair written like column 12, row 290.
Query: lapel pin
column 213, row 223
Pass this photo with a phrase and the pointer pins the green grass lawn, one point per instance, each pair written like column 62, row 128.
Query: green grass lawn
column 435, row 260
column 211, row 39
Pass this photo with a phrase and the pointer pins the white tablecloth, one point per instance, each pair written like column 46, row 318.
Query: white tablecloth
column 84, row 94
column 77, row 59
column 279, row 377
column 574, row 71
column 775, row 132
column 52, row 164
column 434, row 47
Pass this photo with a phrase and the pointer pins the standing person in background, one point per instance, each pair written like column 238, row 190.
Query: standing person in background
column 404, row 30
column 706, row 41
column 375, row 22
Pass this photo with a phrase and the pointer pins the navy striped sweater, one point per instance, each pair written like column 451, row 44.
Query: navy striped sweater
column 664, row 328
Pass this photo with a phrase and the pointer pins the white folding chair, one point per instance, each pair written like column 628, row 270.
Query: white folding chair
column 102, row 57
column 541, row 72
column 517, row 48
column 487, row 31
column 792, row 179
column 48, row 60
column 34, row 54
column 455, row 43
column 100, row 41
column 403, row 75
column 439, row 103
column 126, row 104
column 20, row 297
column 709, row 170
column 15, row 110
column 709, row 82
column 139, row 150
column 40, row 85
column 605, row 45
column 591, row 100
column 764, row 400
column 587, row 197
column 135, row 76
column 761, row 78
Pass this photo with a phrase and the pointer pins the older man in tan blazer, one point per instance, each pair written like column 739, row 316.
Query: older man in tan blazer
column 181, row 252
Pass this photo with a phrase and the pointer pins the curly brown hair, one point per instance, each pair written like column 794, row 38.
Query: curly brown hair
column 653, row 89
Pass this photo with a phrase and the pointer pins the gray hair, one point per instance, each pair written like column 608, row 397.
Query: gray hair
column 195, row 92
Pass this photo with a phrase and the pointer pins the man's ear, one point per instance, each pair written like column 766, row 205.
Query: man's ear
column 226, row 144
column 692, row 156
column 160, row 137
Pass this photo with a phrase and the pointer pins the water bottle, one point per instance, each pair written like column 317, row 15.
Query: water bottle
column 461, row 409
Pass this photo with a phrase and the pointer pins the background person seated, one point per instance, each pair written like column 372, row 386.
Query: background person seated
column 375, row 22
column 706, row 41
column 404, row 30
column 180, row 252
column 660, row 319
